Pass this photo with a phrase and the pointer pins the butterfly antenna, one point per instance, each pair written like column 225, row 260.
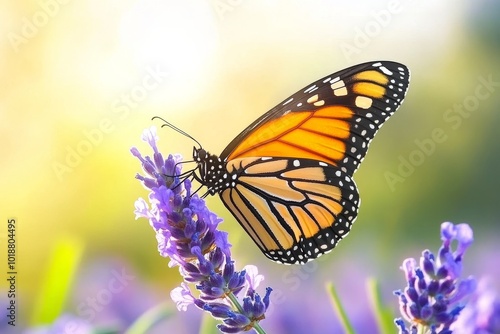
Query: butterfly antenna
column 173, row 127
column 202, row 196
column 185, row 162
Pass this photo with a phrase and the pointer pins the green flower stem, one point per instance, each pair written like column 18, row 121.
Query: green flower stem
column 236, row 304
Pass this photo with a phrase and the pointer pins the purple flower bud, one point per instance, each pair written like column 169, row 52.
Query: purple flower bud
column 427, row 263
column 189, row 230
column 421, row 284
column 159, row 162
column 267, row 296
column 442, row 317
column 201, row 227
column 248, row 306
column 423, row 300
column 219, row 310
column 414, row 311
column 441, row 273
column 177, row 233
column 206, row 267
column 200, row 304
column 464, row 237
column 176, row 218
column 209, row 292
column 236, row 281
column 447, row 286
column 208, row 241
column 149, row 167
column 258, row 307
column 408, row 267
column 135, row 152
column 177, row 201
column 412, row 294
column 216, row 257
column 433, row 287
column 402, row 326
column 448, row 233
column 228, row 271
column 426, row 312
column 238, row 320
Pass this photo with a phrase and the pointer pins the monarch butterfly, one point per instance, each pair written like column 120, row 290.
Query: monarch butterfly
column 287, row 177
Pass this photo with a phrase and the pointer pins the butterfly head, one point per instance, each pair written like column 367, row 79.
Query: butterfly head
column 211, row 171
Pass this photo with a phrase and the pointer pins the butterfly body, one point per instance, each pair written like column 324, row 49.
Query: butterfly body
column 287, row 178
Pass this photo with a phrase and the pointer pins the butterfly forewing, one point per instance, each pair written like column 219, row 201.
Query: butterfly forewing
column 294, row 209
column 332, row 120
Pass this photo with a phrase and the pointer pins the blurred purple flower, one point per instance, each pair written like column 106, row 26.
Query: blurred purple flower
column 435, row 294
column 186, row 231
column 482, row 313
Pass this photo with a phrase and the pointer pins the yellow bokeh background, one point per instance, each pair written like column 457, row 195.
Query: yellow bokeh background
column 80, row 80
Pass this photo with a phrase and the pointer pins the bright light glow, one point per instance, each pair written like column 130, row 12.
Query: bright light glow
column 179, row 37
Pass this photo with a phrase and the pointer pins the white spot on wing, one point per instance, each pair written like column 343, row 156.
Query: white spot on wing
column 385, row 70
column 363, row 102
column 313, row 99
column 338, row 84
column 335, row 80
column 340, row 91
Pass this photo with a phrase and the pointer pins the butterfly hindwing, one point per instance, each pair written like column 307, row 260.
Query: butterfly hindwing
column 332, row 120
column 294, row 209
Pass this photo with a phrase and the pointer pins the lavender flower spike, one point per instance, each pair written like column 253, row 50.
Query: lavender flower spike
column 435, row 294
column 186, row 231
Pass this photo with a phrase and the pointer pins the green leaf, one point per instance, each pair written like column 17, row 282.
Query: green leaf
column 337, row 306
column 384, row 315
column 57, row 280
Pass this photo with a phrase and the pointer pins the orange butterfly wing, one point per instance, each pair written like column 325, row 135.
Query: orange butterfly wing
column 332, row 120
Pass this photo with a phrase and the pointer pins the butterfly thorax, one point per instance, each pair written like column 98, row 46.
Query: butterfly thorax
column 212, row 171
